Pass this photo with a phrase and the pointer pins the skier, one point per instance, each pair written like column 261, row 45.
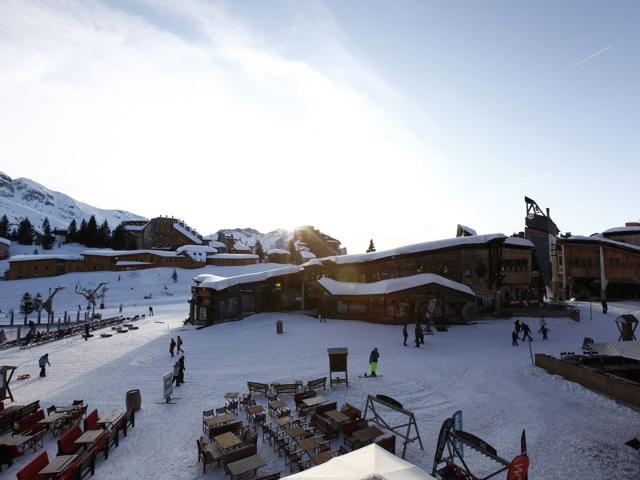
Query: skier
column 544, row 331
column 526, row 332
column 417, row 333
column 172, row 346
column 514, row 338
column 181, row 369
column 405, row 334
column 86, row 332
column 373, row 361
column 517, row 324
column 179, row 345
column 43, row 362
column 176, row 374
column 605, row 307
column 150, row 311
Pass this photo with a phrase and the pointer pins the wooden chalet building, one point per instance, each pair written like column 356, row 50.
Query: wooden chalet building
column 5, row 245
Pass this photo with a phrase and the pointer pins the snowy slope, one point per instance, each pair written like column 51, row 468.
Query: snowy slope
column 22, row 197
column 278, row 238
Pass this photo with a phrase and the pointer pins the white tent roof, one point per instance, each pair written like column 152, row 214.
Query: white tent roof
column 368, row 463
column 618, row 349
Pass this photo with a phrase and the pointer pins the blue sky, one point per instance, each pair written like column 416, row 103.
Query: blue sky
column 392, row 120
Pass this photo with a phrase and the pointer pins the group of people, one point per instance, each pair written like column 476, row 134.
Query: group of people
column 178, row 367
column 526, row 331
column 418, row 334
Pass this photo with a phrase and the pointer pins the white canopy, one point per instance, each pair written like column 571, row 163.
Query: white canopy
column 618, row 349
column 367, row 463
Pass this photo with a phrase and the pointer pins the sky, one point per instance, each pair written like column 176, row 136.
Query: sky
column 392, row 120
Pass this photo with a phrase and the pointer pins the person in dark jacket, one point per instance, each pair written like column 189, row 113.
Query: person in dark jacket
column 176, row 374
column 514, row 338
column 517, row 326
column 544, row 331
column 605, row 307
column 526, row 332
column 43, row 362
column 373, row 361
column 405, row 334
column 150, row 311
column 179, row 345
column 86, row 332
column 417, row 333
column 172, row 346
column 181, row 369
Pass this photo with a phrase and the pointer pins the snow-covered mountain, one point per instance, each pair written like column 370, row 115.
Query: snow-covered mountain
column 22, row 197
column 278, row 238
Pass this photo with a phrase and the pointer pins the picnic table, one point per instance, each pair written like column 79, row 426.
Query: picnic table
column 88, row 437
column 255, row 409
column 245, row 465
column 295, row 432
column 53, row 422
column 321, row 457
column 227, row 440
column 57, row 465
column 314, row 401
column 18, row 441
column 367, row 435
column 277, row 404
column 308, row 444
column 337, row 416
column 219, row 420
column 110, row 418
column 284, row 421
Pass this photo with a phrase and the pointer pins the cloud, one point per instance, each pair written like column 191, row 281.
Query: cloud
column 586, row 59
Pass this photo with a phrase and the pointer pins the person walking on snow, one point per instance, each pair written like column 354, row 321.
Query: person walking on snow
column 416, row 333
column 517, row 325
column 526, row 332
column 86, row 331
column 514, row 338
column 172, row 346
column 544, row 331
column 150, row 311
column 42, row 363
column 373, row 361
column 179, row 345
column 181, row 369
column 605, row 307
column 176, row 374
column 405, row 334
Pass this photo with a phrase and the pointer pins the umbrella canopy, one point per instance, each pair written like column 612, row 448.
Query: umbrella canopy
column 365, row 463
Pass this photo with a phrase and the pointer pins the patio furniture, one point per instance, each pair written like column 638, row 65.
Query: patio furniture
column 245, row 465
column 227, row 440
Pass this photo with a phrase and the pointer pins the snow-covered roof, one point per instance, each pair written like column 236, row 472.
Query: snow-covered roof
column 187, row 233
column 216, row 244
column 241, row 247
column 468, row 230
column 125, row 263
column 391, row 285
column 234, row 256
column 307, row 254
column 196, row 248
column 107, row 252
column 430, row 246
column 370, row 462
column 5, row 241
column 223, row 283
column 622, row 230
column 27, row 258
column 203, row 277
column 134, row 228
column 314, row 262
column 599, row 239
column 278, row 251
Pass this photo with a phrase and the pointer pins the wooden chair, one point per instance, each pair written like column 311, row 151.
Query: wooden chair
column 91, row 422
column 206, row 414
column 317, row 383
column 208, row 453
column 258, row 387
column 66, row 443
column 30, row 471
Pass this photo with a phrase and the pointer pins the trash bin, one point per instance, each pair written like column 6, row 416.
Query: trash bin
column 134, row 400
column 279, row 327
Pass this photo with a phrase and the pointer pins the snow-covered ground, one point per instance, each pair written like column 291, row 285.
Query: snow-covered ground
column 572, row 433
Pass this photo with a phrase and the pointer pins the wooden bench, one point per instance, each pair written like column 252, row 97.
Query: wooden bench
column 31, row 470
column 91, row 422
column 238, row 454
column 258, row 387
column 289, row 388
column 66, row 443
column 233, row 427
column 328, row 430
column 317, row 383
column 29, row 424
column 327, row 407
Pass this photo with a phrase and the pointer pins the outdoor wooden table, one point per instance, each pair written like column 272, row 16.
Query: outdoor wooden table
column 88, row 437
column 57, row 465
column 219, row 420
column 284, row 421
column 15, row 441
column 109, row 418
column 314, row 401
column 337, row 416
column 367, row 435
column 308, row 444
column 227, row 440
column 52, row 422
column 245, row 465
column 255, row 409
column 321, row 457
column 277, row 404
column 295, row 432
column 67, row 408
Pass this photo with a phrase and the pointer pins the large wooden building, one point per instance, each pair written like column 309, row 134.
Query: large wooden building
column 5, row 244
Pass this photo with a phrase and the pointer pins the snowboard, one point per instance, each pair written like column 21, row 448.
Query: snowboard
column 366, row 375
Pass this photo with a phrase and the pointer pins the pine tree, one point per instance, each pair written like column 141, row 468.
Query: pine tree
column 372, row 247
column 82, row 233
column 72, row 232
column 119, row 239
column 48, row 239
column 4, row 227
column 37, row 302
column 174, row 276
column 25, row 232
column 13, row 236
column 104, row 235
column 259, row 250
column 26, row 304
column 92, row 232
